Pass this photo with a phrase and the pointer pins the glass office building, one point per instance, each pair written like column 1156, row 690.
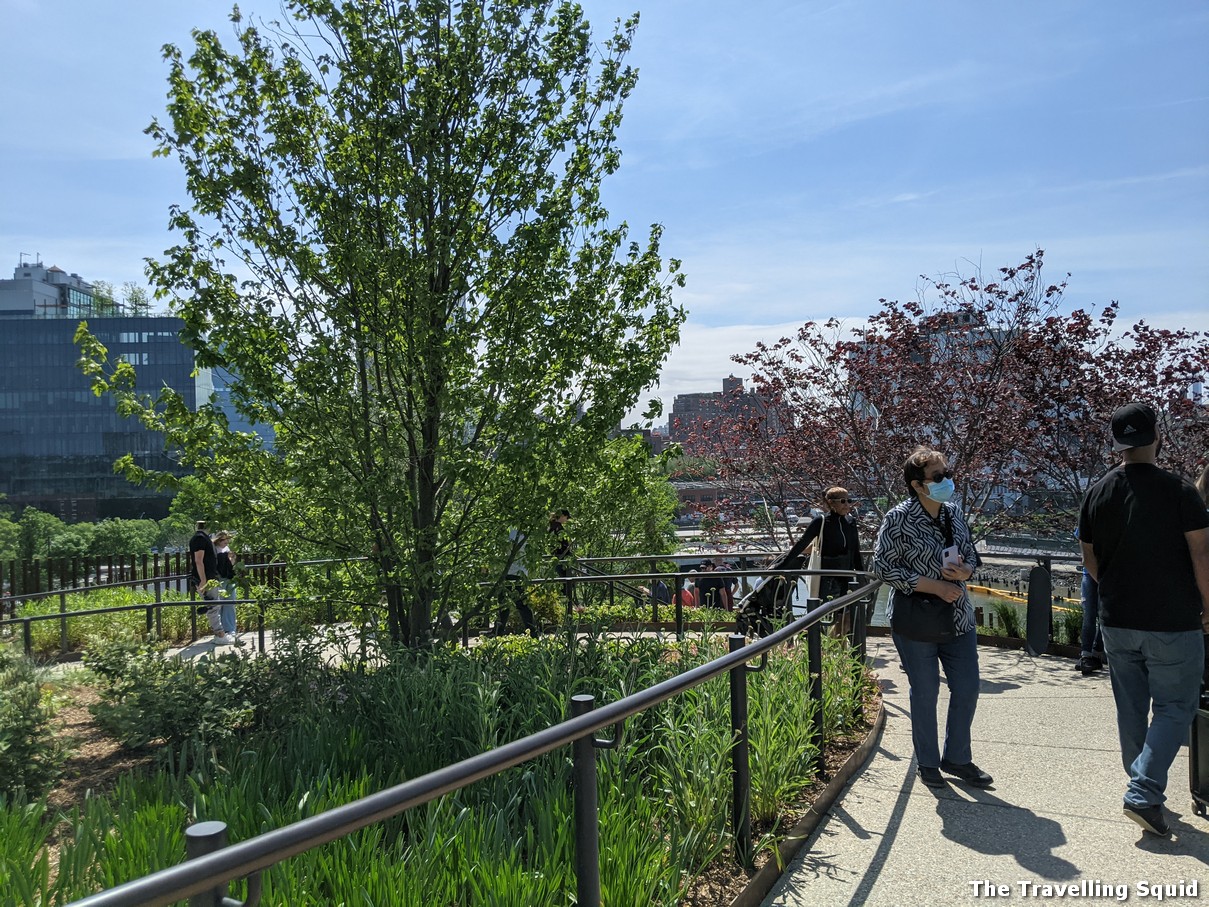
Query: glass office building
column 58, row 442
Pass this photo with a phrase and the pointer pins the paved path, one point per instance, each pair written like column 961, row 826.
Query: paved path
column 1053, row 816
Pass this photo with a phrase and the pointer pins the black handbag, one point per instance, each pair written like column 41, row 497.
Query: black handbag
column 922, row 617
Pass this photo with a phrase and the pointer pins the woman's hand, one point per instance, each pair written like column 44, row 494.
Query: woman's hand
column 957, row 573
column 950, row 592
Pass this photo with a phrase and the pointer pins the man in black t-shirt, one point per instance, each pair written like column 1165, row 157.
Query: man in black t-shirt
column 1145, row 539
column 203, row 577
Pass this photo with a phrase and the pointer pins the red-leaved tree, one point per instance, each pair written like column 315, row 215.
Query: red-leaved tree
column 990, row 371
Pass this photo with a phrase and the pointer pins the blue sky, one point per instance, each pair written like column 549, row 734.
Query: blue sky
column 805, row 159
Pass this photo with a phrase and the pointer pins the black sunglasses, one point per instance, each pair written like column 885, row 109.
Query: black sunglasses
column 841, row 500
column 948, row 474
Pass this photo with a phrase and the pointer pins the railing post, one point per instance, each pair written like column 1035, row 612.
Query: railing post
column 678, row 604
column 740, row 768
column 63, row 623
column 192, row 612
column 857, row 652
column 654, row 603
column 587, row 818
column 159, row 610
column 27, row 628
column 814, row 649
column 260, row 624
column 201, row 839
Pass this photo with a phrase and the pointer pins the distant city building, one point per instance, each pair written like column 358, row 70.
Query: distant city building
column 58, row 441
column 656, row 441
column 691, row 411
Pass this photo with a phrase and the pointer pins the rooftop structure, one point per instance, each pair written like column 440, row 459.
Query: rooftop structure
column 41, row 292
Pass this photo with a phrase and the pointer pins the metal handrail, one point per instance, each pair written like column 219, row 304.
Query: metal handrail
column 248, row 858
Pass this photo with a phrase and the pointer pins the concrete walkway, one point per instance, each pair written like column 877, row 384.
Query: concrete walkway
column 1053, row 817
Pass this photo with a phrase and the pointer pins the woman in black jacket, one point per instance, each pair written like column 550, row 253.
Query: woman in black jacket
column 841, row 544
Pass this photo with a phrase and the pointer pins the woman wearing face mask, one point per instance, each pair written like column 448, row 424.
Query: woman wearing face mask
column 924, row 546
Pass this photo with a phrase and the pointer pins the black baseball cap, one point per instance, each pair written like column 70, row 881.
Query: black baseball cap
column 1133, row 426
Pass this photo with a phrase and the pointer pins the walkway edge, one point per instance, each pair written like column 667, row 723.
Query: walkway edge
column 761, row 883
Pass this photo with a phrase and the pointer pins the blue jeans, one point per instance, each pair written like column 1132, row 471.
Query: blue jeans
column 922, row 662
column 1092, row 640
column 228, row 611
column 1163, row 669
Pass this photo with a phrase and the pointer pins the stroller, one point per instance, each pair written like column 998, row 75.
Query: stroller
column 769, row 603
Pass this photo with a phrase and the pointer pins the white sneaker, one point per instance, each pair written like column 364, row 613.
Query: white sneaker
column 222, row 639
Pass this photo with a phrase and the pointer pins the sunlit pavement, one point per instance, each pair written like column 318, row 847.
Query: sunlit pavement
column 1053, row 817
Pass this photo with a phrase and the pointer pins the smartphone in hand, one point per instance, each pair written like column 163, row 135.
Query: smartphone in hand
column 950, row 557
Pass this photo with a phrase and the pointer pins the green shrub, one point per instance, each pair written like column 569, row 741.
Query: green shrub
column 146, row 696
column 1068, row 626
column 30, row 753
column 1009, row 619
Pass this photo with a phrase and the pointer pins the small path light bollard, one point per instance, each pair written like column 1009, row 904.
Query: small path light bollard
column 202, row 839
column 205, row 838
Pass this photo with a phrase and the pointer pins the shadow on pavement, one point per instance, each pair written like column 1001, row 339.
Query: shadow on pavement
column 1005, row 829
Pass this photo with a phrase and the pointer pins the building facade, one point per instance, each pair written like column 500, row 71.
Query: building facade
column 58, row 441
column 690, row 412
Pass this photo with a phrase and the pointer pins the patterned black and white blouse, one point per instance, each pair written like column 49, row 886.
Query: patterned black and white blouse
column 909, row 545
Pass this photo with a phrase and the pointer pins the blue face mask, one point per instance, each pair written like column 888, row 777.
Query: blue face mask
column 940, row 491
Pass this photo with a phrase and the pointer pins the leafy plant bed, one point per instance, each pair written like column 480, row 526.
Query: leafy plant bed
column 276, row 738
column 725, row 882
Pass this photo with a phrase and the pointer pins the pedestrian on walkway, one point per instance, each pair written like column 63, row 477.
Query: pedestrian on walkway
column 926, row 553
column 203, row 577
column 840, row 548
column 1144, row 533
column 562, row 551
column 514, row 589
column 224, row 564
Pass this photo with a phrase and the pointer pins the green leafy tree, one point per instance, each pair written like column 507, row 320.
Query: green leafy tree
column 104, row 300
column 624, row 505
column 135, row 299
column 427, row 302
column 37, row 532
column 74, row 540
column 10, row 539
column 124, row 536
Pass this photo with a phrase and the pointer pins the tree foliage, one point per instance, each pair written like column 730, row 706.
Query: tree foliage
column 396, row 245
column 988, row 369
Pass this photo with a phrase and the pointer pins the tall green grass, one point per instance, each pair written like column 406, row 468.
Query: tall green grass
column 308, row 735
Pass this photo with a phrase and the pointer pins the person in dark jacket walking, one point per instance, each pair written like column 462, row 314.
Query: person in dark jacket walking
column 841, row 542
column 1145, row 539
column 562, row 551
